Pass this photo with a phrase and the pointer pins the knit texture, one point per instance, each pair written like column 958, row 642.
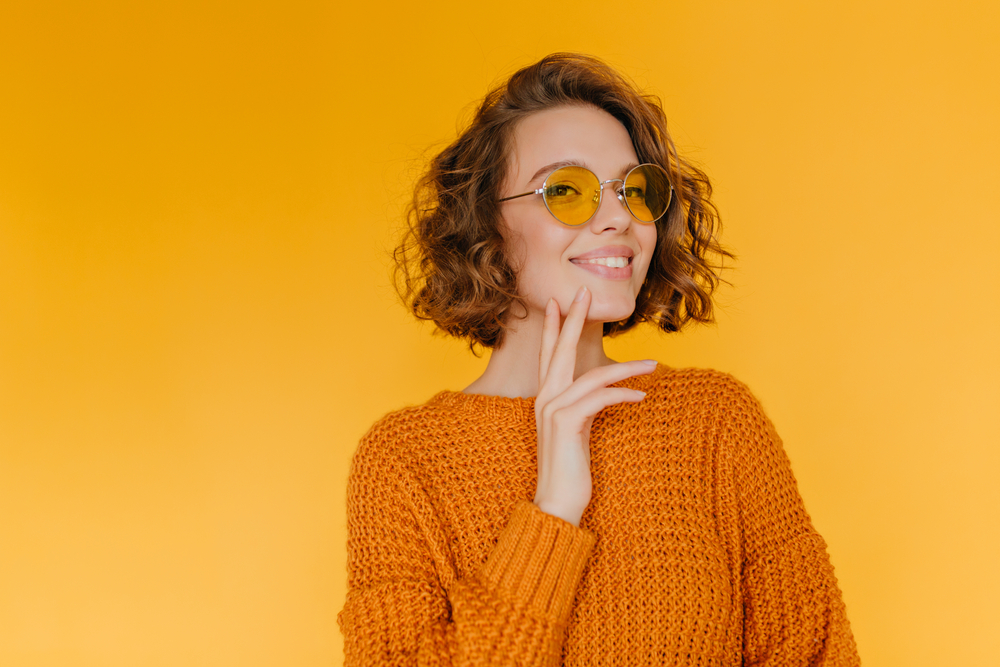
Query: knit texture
column 696, row 548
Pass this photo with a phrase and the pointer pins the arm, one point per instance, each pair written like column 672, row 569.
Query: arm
column 405, row 604
column 793, row 611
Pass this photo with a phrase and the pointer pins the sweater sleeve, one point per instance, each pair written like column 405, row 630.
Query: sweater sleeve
column 406, row 605
column 793, row 610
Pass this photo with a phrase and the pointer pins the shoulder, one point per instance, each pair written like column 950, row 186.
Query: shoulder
column 701, row 398
column 392, row 438
column 403, row 436
column 404, row 422
column 696, row 386
column 728, row 407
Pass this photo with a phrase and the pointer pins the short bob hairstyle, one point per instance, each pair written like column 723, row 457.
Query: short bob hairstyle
column 451, row 266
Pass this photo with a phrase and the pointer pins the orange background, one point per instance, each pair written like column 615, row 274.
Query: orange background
column 197, row 201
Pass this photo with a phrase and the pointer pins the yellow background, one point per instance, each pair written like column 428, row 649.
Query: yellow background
column 197, row 200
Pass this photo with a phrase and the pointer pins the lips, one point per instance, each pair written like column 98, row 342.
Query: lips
column 613, row 262
column 606, row 251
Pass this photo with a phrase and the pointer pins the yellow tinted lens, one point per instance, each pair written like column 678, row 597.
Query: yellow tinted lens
column 647, row 192
column 572, row 194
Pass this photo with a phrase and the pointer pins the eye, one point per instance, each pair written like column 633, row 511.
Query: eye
column 561, row 190
column 634, row 192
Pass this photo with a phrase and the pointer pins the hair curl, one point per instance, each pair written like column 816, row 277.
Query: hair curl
column 451, row 266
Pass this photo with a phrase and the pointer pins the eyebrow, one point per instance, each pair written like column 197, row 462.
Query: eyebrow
column 549, row 168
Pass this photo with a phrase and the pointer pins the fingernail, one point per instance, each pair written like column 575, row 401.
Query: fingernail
column 642, row 394
column 649, row 362
column 580, row 292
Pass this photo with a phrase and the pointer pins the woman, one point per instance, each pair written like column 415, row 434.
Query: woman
column 565, row 508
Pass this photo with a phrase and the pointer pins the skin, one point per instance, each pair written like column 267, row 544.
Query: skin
column 555, row 349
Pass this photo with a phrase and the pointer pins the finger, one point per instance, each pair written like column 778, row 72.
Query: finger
column 569, row 420
column 550, row 334
column 564, row 358
column 599, row 377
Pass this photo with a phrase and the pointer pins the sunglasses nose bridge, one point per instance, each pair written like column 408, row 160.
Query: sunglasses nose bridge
column 618, row 191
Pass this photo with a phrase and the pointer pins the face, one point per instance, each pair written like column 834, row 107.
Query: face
column 611, row 252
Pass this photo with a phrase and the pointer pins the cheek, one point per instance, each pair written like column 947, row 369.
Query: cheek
column 647, row 241
column 542, row 247
column 650, row 234
column 515, row 245
column 522, row 248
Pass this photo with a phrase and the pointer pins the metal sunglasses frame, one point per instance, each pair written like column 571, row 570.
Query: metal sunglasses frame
column 600, row 192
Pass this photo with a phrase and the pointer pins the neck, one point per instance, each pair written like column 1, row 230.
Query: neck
column 512, row 370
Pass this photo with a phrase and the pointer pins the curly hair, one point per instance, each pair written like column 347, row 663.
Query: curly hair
column 451, row 266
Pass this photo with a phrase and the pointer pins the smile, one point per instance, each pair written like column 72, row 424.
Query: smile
column 613, row 262
column 609, row 268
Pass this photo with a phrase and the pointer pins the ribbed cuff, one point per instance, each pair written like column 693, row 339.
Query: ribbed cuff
column 539, row 559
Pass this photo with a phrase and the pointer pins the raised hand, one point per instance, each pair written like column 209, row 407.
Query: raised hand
column 565, row 409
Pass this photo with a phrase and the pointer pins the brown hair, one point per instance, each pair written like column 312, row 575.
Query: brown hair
column 451, row 266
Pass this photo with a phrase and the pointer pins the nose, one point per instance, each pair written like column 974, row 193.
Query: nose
column 612, row 213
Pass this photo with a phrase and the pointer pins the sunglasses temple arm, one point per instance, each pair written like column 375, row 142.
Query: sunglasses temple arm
column 524, row 194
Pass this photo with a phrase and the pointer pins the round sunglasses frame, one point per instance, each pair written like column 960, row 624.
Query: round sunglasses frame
column 600, row 189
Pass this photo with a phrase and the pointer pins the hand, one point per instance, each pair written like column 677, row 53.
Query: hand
column 565, row 409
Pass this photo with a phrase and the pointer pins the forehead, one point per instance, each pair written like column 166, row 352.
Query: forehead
column 583, row 135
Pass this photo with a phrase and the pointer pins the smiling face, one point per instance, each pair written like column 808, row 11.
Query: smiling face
column 611, row 252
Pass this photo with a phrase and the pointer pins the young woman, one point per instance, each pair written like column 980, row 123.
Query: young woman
column 565, row 508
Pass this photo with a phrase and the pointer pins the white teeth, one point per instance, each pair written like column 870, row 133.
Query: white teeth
column 613, row 262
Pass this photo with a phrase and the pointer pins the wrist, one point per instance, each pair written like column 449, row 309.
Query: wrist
column 566, row 514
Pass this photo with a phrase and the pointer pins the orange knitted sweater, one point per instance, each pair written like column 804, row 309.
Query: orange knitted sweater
column 695, row 549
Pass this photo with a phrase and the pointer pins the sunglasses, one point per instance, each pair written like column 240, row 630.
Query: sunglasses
column 573, row 194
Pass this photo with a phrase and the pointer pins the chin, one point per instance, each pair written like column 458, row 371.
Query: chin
column 611, row 310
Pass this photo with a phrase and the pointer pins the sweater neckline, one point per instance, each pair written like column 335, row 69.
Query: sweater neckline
column 521, row 408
